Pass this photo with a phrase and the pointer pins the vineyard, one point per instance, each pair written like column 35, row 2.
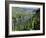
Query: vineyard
column 25, row 19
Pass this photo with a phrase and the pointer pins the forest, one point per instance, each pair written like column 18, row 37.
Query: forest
column 25, row 19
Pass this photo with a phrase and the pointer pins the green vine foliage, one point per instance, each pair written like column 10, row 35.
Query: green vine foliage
column 31, row 24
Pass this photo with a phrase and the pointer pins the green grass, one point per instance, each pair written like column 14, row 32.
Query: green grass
column 31, row 24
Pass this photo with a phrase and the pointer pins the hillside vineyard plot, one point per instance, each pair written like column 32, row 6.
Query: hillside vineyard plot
column 24, row 19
